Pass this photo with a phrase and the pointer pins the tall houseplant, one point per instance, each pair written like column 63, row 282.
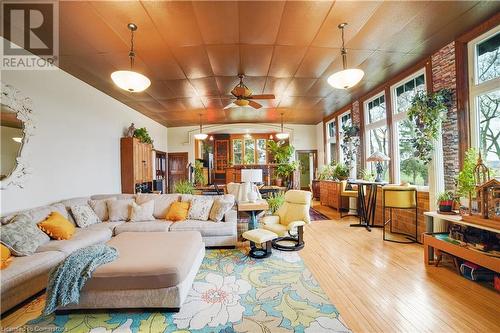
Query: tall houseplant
column 282, row 154
column 199, row 177
column 465, row 179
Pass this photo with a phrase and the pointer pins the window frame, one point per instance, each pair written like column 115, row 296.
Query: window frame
column 243, row 149
column 477, row 89
column 398, row 117
column 331, row 139
column 373, row 126
column 340, row 133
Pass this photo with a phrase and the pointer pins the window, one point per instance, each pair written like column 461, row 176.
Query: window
column 237, row 151
column 407, row 167
column 484, row 72
column 331, row 141
column 261, row 151
column 344, row 120
column 376, row 132
column 249, row 151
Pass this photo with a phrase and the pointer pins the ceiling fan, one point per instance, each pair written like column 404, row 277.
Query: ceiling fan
column 244, row 96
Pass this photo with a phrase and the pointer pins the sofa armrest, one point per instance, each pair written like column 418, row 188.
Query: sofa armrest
column 231, row 216
column 271, row 219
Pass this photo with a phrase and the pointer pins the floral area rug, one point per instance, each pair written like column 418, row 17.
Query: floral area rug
column 231, row 293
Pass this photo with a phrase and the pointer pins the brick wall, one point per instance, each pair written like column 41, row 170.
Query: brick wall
column 444, row 76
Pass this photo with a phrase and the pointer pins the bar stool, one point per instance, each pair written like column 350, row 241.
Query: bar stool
column 399, row 197
column 352, row 193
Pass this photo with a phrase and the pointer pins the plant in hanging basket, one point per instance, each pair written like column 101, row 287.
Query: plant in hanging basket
column 427, row 112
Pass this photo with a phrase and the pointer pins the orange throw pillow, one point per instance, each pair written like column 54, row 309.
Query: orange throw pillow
column 57, row 227
column 6, row 257
column 178, row 211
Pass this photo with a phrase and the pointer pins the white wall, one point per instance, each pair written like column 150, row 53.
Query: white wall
column 76, row 147
column 303, row 137
column 320, row 144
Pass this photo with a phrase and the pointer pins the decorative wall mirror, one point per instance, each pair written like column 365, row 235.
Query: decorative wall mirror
column 16, row 128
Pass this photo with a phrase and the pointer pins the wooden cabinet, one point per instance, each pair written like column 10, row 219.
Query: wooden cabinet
column 330, row 193
column 136, row 163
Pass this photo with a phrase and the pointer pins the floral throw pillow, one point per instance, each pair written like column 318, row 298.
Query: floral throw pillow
column 84, row 215
column 200, row 208
column 220, row 207
column 22, row 236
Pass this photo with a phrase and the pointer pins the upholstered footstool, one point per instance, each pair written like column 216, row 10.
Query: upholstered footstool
column 263, row 238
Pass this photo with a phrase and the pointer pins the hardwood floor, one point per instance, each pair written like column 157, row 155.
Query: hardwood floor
column 385, row 287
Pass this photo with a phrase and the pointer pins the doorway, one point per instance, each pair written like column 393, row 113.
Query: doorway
column 177, row 169
column 308, row 160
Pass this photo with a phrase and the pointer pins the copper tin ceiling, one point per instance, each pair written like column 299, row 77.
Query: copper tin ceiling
column 193, row 51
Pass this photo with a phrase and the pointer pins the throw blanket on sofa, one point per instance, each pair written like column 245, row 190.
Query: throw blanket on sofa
column 67, row 279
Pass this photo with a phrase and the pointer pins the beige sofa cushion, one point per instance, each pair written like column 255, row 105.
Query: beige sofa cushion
column 162, row 202
column 221, row 206
column 118, row 196
column 105, row 225
column 23, row 269
column 74, row 201
column 142, row 212
column 149, row 226
column 206, row 228
column 151, row 267
column 199, row 206
column 39, row 214
column 81, row 238
column 100, row 208
column 119, row 210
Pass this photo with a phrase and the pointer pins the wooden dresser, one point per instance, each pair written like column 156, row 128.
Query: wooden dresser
column 136, row 163
column 330, row 193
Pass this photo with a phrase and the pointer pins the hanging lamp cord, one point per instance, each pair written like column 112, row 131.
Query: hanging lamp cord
column 343, row 51
column 131, row 54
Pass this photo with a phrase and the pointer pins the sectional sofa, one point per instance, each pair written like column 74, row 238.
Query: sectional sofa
column 28, row 275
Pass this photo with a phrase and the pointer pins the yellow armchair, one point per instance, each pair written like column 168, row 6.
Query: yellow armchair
column 289, row 221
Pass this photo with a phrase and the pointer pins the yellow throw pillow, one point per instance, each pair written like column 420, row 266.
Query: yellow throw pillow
column 57, row 226
column 178, row 211
column 6, row 256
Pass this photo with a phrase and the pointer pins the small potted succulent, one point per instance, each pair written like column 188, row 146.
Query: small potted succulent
column 445, row 201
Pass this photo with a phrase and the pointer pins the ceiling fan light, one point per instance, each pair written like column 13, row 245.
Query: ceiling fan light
column 282, row 136
column 200, row 136
column 346, row 78
column 241, row 102
column 130, row 81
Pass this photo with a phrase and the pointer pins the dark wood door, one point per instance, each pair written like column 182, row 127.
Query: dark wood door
column 177, row 169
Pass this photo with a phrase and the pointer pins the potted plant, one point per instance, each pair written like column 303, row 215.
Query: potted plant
column 327, row 172
column 199, row 177
column 275, row 201
column 184, row 187
column 284, row 171
column 445, row 201
column 341, row 171
column 465, row 179
column 143, row 135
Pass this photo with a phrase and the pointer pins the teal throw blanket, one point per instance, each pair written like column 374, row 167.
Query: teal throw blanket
column 67, row 279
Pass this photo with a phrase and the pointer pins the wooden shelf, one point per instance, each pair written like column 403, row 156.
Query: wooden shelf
column 459, row 220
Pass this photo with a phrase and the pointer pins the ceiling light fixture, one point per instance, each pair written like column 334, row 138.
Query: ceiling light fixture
column 282, row 135
column 200, row 136
column 348, row 77
column 17, row 139
column 130, row 80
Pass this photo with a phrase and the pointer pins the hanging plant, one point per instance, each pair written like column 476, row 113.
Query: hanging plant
column 427, row 112
column 350, row 143
column 143, row 135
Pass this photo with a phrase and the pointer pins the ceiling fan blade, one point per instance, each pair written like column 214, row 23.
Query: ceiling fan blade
column 230, row 105
column 264, row 96
column 255, row 105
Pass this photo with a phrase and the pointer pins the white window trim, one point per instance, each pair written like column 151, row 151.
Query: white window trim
column 329, row 140
column 476, row 89
column 398, row 117
column 372, row 126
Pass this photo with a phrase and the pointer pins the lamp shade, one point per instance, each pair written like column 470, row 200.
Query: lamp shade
column 130, row 81
column 251, row 175
column 346, row 78
column 377, row 157
column 200, row 136
column 282, row 136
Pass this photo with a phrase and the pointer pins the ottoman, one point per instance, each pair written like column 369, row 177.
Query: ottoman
column 153, row 270
column 262, row 237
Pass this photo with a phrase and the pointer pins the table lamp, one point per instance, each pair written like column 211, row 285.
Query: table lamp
column 250, row 176
column 379, row 158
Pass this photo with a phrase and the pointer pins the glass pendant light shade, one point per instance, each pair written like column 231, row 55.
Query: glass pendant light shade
column 200, row 136
column 130, row 81
column 346, row 78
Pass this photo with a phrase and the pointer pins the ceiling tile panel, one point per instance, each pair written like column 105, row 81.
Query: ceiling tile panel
column 299, row 86
column 320, row 88
column 225, row 59
column 175, row 22
column 316, row 61
column 205, row 86
column 218, row 21
column 286, row 60
column 226, row 84
column 193, row 61
column 260, row 21
column 162, row 65
column 276, row 85
column 181, row 88
column 255, row 59
column 301, row 21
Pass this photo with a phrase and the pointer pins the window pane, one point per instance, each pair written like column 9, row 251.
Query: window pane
column 333, row 152
column 411, row 169
column 261, row 151
column 376, row 110
column 331, row 130
column 406, row 92
column 379, row 141
column 489, row 128
column 488, row 59
column 249, row 151
column 237, row 151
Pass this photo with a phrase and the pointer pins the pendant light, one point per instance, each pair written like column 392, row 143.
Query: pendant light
column 200, row 136
column 348, row 77
column 130, row 80
column 282, row 135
